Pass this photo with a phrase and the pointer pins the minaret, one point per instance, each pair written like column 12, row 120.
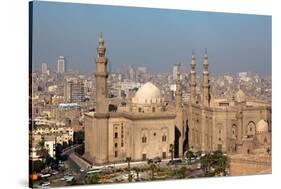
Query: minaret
column 205, row 88
column 97, row 142
column 192, row 81
column 179, row 119
column 101, row 78
column 205, row 102
column 178, row 94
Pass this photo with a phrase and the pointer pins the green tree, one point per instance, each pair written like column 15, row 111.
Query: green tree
column 189, row 155
column 36, row 166
column 94, row 179
column 153, row 168
column 41, row 151
column 221, row 164
column 79, row 137
column 137, row 169
column 206, row 162
column 182, row 172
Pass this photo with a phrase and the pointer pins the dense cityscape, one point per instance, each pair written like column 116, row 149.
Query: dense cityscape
column 60, row 99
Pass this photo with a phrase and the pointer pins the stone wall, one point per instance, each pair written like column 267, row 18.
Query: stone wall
column 249, row 164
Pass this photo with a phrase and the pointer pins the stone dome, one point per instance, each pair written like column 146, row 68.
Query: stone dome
column 148, row 93
column 262, row 126
column 240, row 96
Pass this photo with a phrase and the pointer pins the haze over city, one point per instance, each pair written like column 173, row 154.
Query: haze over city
column 155, row 38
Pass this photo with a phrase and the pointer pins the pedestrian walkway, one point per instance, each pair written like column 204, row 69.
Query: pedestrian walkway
column 79, row 161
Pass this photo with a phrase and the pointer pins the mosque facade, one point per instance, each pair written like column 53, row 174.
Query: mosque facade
column 146, row 128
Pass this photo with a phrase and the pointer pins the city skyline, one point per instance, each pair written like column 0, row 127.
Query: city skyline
column 168, row 109
column 158, row 37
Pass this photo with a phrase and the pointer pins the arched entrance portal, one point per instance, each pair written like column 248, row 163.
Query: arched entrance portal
column 176, row 142
column 185, row 142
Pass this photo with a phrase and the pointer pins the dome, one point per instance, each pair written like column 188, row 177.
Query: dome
column 240, row 96
column 147, row 93
column 262, row 126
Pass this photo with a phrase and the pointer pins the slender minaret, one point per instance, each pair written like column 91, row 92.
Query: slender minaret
column 205, row 88
column 178, row 93
column 205, row 102
column 101, row 78
column 98, row 137
column 192, row 81
column 179, row 119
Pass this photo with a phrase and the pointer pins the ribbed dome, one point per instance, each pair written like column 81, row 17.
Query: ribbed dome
column 262, row 126
column 240, row 96
column 147, row 93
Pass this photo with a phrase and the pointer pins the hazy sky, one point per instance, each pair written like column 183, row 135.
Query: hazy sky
column 156, row 38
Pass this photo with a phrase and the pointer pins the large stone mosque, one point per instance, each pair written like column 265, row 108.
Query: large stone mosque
column 147, row 128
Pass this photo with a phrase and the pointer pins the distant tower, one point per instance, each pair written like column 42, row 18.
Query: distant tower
column 44, row 68
column 61, row 65
column 101, row 78
column 178, row 93
column 73, row 91
column 205, row 86
column 192, row 81
column 176, row 70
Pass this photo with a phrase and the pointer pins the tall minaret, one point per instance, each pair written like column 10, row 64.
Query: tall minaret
column 101, row 78
column 178, row 93
column 192, row 81
column 205, row 88
column 96, row 135
column 179, row 130
column 205, row 102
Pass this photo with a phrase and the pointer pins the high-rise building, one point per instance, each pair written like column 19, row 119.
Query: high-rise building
column 44, row 68
column 176, row 70
column 61, row 64
column 131, row 73
column 142, row 70
column 73, row 90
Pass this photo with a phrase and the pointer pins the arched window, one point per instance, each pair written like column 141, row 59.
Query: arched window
column 143, row 139
column 139, row 109
column 234, row 131
column 251, row 128
column 164, row 138
column 153, row 109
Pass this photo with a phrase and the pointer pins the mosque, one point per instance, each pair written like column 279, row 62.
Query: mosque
column 146, row 128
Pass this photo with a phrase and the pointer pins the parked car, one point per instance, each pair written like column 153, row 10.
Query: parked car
column 44, row 184
column 54, row 172
column 157, row 160
column 45, row 175
column 175, row 161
